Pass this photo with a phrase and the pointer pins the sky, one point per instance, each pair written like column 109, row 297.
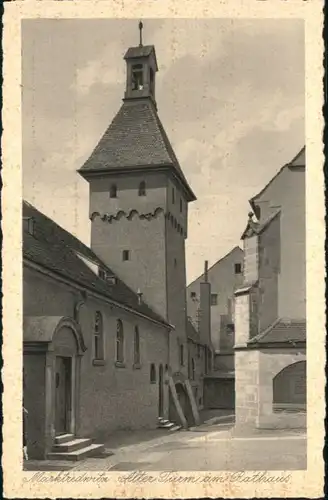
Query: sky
column 230, row 94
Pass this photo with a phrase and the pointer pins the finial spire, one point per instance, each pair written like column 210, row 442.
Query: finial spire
column 140, row 29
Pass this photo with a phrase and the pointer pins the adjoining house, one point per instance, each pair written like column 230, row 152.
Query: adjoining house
column 223, row 277
column 95, row 355
column 105, row 328
column 270, row 306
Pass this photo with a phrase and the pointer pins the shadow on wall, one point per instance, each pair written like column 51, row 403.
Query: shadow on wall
column 289, row 389
column 185, row 406
column 219, row 393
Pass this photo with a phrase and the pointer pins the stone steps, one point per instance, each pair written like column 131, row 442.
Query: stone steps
column 73, row 445
column 68, row 447
column 64, row 438
column 166, row 424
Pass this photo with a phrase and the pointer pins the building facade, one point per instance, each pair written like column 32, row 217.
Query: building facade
column 224, row 277
column 270, row 306
column 95, row 356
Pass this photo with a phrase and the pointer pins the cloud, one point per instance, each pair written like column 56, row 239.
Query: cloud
column 99, row 71
column 230, row 95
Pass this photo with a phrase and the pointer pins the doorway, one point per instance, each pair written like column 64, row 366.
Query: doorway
column 63, row 394
column 160, row 391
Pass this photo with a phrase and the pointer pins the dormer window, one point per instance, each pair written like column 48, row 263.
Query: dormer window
column 113, row 191
column 137, row 77
column 142, row 188
column 102, row 273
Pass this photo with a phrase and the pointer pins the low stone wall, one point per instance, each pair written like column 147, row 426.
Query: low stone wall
column 254, row 373
column 246, row 388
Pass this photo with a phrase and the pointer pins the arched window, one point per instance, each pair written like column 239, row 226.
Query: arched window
column 142, row 188
column 119, row 342
column 137, row 77
column 98, row 337
column 152, row 374
column 136, row 346
column 192, row 369
column 113, row 191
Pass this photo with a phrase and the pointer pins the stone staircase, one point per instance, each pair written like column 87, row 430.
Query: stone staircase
column 69, row 447
column 166, row 424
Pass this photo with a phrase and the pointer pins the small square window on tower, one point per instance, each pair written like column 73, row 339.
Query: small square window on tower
column 214, row 299
column 193, row 295
column 238, row 268
column 126, row 255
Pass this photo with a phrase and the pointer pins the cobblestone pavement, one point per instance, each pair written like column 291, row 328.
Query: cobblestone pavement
column 213, row 448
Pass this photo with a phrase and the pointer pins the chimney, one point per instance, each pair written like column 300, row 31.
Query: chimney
column 206, row 271
column 205, row 308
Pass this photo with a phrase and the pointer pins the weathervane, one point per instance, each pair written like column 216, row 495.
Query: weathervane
column 140, row 29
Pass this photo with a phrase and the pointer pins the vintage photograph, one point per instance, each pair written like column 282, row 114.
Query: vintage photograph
column 164, row 248
column 164, row 297
column 164, row 286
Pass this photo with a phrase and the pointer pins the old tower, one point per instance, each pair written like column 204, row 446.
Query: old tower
column 139, row 201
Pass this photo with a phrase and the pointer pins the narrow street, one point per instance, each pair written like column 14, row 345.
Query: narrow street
column 207, row 448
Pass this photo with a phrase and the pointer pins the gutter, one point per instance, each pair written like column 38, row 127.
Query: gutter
column 58, row 277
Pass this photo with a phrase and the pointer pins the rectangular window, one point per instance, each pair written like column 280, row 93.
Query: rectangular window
column 214, row 299
column 180, row 205
column 238, row 268
column 173, row 195
column 192, row 295
column 126, row 255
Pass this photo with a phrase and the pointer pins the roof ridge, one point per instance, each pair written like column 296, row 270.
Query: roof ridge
column 135, row 138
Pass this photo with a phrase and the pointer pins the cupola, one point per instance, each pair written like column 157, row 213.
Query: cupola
column 141, row 67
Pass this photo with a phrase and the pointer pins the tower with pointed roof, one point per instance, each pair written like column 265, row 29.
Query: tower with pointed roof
column 139, row 201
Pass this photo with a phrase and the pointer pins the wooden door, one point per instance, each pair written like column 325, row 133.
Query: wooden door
column 63, row 393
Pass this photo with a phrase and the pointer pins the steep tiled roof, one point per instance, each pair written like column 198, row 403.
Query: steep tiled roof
column 282, row 331
column 135, row 139
column 55, row 249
